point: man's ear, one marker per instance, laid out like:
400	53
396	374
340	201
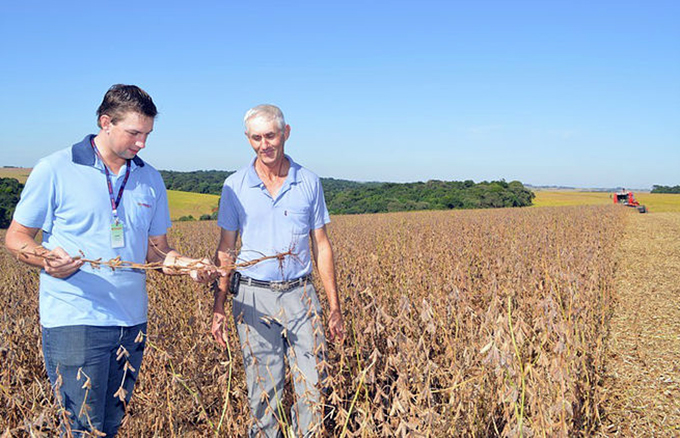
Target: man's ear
105	122
287	132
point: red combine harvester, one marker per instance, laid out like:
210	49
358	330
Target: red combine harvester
627	199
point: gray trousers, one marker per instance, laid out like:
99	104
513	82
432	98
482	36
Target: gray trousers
272	326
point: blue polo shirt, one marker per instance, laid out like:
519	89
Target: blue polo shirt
270	226
66	196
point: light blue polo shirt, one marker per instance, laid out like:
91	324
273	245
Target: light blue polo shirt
270	226
66	195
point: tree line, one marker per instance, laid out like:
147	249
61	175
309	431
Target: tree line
665	189
198	181
430	195
343	196
352	197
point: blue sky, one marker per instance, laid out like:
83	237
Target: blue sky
577	93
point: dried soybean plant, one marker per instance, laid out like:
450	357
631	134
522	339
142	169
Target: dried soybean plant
463	323
116	262
482	323
47	420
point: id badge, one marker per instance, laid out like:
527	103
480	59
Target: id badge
117	238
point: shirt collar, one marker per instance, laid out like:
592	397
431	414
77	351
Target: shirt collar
82	153
254	180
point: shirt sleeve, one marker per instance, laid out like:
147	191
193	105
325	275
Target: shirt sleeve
36	207
160	222
320	216
228	217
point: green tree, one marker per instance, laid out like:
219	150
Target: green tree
10	191
665	189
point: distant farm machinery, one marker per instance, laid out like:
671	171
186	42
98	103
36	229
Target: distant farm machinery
626	198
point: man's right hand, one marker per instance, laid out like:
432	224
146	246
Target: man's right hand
219	328
224	260
59	264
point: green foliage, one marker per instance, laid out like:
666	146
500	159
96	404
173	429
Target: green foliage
10	191
199	181
351	197
186	218
431	195
665	189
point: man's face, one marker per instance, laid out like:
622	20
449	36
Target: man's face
128	136
267	139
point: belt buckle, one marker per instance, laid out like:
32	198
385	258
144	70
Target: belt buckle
279	286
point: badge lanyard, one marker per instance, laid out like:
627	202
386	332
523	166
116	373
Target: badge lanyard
117	237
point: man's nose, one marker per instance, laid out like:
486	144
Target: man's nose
141	143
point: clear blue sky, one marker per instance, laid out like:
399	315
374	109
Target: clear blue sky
548	92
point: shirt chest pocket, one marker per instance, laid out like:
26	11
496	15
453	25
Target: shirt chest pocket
140	211
298	220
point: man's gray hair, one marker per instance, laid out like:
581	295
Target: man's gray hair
268	112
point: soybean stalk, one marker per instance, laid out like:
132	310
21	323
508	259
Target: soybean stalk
521	369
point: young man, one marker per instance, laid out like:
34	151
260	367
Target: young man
100	198
276	205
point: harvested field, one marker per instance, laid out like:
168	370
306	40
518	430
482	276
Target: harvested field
562	198
471	323
655	202
643	362
19	173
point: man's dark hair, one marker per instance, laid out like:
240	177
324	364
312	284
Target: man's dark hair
122	99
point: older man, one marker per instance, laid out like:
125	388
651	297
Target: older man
276	205
100	198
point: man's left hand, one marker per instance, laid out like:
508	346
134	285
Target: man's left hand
336	326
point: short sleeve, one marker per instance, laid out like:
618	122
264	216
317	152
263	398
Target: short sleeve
228	217
160	222
36	207
320	216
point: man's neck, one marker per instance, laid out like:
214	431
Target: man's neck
111	160
274	175
274	171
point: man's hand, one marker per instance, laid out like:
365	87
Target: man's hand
21	240
224	260
60	264
219	325
205	271
336	326
201	271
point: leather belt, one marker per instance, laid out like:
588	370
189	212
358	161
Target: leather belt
278	286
